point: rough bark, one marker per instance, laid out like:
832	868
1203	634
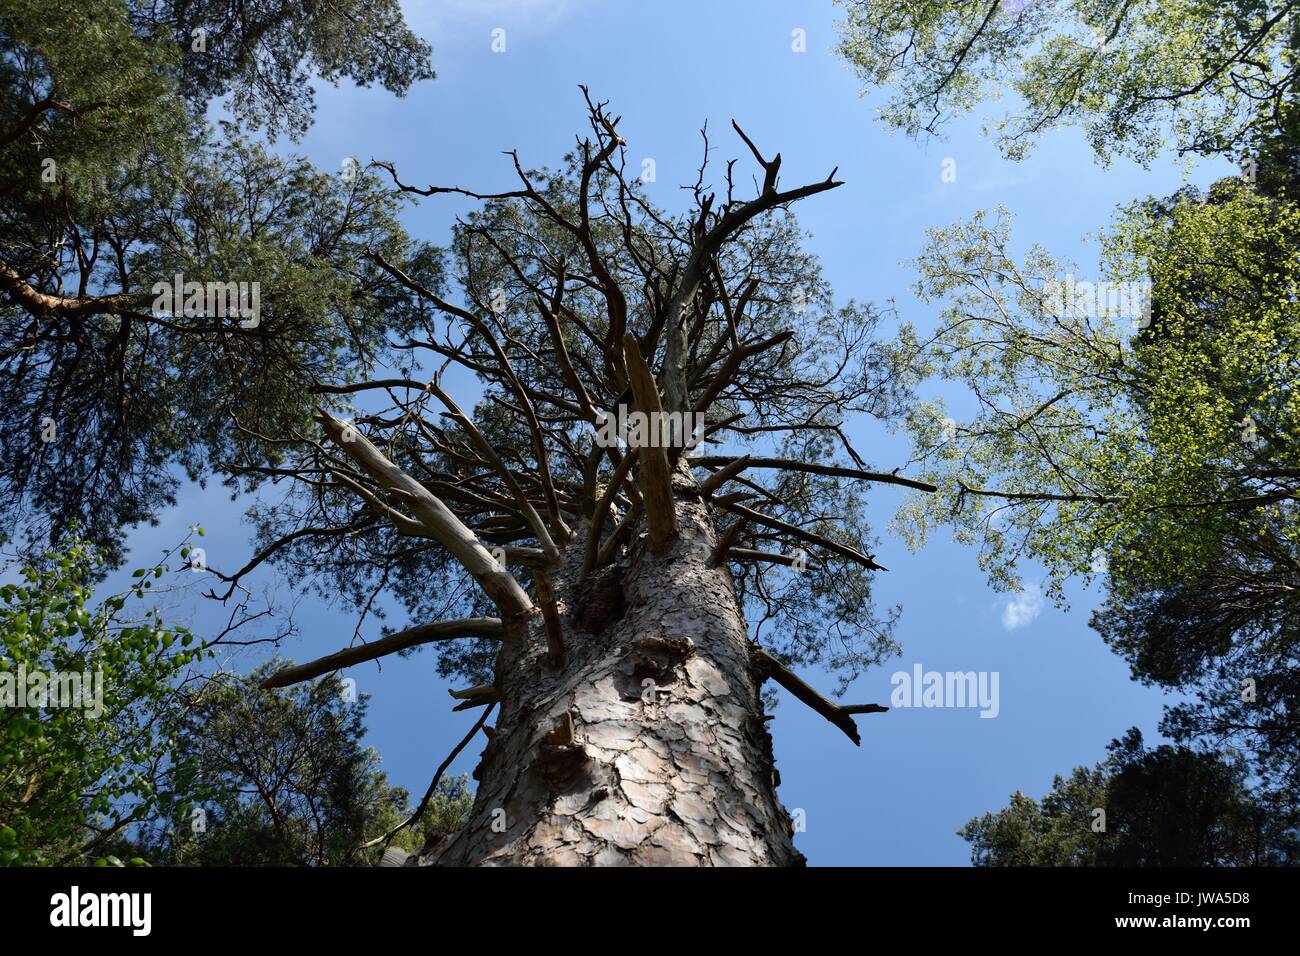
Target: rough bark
645	744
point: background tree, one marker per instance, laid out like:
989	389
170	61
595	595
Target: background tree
1161	454
127	772
1159	449
287	781
75	779
1169	806
112	182
264	56
1134	74
596	590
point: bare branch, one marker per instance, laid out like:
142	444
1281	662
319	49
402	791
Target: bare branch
434	516
602	510
729	538
488	627
550	617
771	557
433	785
480	696
724	474
803	534
489	453
841	716
707	243
791	464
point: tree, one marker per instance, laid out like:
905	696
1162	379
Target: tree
90	709
263	56
595	590
1169	806
286	781
113	746
260	55
115	190
1158	448
1159	455
1209	75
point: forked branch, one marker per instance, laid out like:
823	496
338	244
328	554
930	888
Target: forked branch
841	716
434	517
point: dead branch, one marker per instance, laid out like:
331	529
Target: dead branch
790	464
724	474
434	516
803	534
602	511
550	617
489	627
433	786
489	453
749	554
479	696
707	242
841	716
729	538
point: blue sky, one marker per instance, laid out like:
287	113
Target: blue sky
666	68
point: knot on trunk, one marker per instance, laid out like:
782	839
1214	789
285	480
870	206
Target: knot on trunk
601	600
675	649
562	758
655	657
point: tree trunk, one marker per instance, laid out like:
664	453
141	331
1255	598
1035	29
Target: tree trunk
645	744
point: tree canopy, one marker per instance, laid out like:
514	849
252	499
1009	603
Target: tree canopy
1137	75
1142	427
1163	806
90	710
563	285
114	185
285	780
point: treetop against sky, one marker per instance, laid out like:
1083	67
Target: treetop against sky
632	400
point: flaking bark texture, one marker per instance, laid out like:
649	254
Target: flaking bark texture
584	769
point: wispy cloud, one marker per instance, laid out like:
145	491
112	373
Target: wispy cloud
1022	607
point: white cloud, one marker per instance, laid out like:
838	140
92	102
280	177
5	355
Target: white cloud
1022	607
518	12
